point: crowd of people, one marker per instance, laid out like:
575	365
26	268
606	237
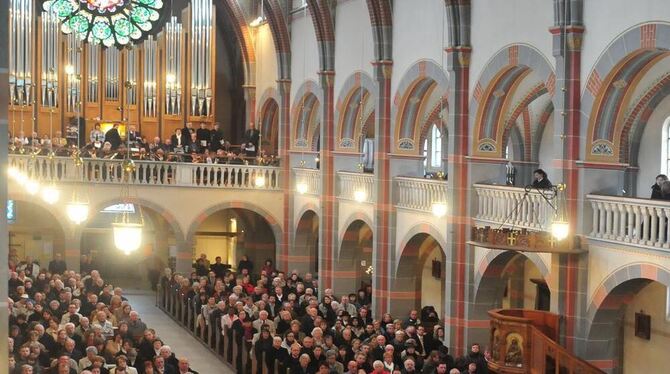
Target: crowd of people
64	322
187	144
286	320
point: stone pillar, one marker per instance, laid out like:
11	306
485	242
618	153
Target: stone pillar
4	234
384	226
328	217
567	45
184	260
72	255
458	258
284	92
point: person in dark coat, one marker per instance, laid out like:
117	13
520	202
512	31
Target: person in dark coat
245	263
113	137
540	180
477	357
58	266
216	140
656	187
252	135
186	132
203	134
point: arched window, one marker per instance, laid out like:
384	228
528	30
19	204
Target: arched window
665	148
432	150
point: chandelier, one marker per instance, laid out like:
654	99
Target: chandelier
110	22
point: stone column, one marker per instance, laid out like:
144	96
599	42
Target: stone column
566	268
284	92
384	225
4	235
458	258
328	217
72	255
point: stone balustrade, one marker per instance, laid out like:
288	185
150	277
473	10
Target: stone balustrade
148	173
513	207
358	187
307	181
640	222
420	194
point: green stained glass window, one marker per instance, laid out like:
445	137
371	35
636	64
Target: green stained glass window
108	22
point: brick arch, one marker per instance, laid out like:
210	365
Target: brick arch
280	36
162	211
423	81
494	257
348	112
407	280
426	228
242	33
304	253
269	118
512	79
381	20
353	248
358	216
611	82
306	116
323	18
607	307
269	218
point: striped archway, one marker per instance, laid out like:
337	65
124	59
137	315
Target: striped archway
269	121
352	266
304	254
422	89
606	309
353	110
512	92
624	87
306	117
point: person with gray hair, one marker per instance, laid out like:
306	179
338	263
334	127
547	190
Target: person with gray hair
87	360
333	364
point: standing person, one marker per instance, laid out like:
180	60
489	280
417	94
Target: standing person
113	137
245	263
251	136
656	187
186	133
97	136
540	179
203	135
476	357
216	140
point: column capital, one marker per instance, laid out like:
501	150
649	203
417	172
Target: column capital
383	68
327	77
458	56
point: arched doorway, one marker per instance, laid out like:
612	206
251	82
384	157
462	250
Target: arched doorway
511	280
420	276
305	251
232	233
157	251
629	327
269	127
354	266
34	232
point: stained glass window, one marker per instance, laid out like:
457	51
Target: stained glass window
109	22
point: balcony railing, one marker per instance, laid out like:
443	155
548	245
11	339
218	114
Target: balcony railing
307	181
513	207
358	187
640	222
148	173
420	193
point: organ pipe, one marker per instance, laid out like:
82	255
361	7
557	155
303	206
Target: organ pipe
93	61
201	31
131	76
21	17
49	60
73	72
112	74
173	38
150	104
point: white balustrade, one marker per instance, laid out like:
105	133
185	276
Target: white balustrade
358	187
148	173
307	181
420	193
508	206
640	222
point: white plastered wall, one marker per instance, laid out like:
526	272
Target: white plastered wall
304	52
266	63
354	47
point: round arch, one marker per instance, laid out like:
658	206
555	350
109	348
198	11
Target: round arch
419	276
354	259
306	116
621	91
269	123
517	78
608	314
304	254
423	87
346	223
355	105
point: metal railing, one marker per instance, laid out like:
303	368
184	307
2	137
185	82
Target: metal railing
233	348
149	173
420	193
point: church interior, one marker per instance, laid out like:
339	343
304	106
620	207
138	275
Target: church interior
334	186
